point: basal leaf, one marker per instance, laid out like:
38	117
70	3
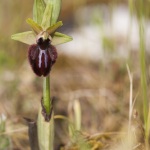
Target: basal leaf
45	132
38	10
60	38
53	28
36	28
27	37
56	10
47	16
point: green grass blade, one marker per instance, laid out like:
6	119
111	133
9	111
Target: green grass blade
142	62
141	20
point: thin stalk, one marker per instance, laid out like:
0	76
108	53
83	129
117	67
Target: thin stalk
131	6
143	69
47	103
46	122
130	100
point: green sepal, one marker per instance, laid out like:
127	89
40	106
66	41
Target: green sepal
47	16
35	26
55	11
38	10
60	38
53	28
27	37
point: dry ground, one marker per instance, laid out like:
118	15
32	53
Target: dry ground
102	90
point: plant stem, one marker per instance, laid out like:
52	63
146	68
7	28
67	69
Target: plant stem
143	71
46	119
143	68
47	103
45	132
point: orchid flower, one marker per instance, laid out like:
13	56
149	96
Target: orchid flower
42	53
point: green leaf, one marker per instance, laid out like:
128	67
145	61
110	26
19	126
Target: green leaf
38	10
45	132
27	37
36	28
47	16
53	28
60	38
55	11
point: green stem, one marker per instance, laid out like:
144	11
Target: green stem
143	73
46	119
47	103
143	68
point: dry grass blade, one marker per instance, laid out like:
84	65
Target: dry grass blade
131	99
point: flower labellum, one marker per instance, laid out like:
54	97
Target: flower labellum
42	55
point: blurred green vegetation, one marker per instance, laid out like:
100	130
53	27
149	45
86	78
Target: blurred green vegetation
4	139
6	60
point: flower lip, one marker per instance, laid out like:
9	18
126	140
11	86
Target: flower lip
41	60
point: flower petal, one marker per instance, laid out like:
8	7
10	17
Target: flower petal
27	37
38	10
36	28
53	28
60	38
55	11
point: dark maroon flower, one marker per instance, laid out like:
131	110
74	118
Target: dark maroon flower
42	56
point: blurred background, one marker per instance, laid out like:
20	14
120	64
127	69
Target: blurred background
90	69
